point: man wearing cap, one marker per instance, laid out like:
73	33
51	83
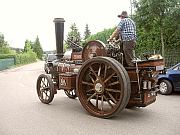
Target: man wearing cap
126	29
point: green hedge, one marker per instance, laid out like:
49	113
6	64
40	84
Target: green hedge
25	58
22	58
4	56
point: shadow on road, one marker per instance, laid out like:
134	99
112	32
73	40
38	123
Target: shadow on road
176	93
67	107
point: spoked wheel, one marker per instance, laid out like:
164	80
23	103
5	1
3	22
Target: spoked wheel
103	86
45	88
70	93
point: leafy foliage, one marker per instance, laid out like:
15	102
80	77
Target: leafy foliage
157	24
4	46
28	56
3	43
73	36
28	46
87	32
25	58
37	48
102	36
4	56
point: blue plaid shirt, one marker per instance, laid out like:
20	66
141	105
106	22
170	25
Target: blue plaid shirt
128	29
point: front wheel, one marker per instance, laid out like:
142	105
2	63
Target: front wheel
165	87
103	87
45	88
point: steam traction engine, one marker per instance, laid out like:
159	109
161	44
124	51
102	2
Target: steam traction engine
96	76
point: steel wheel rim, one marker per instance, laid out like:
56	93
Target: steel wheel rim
163	87
103	98
45	89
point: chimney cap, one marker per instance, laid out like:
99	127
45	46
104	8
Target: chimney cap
56	20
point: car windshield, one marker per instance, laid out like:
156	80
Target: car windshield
176	67
51	57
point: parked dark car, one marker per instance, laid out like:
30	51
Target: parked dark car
170	80
49	62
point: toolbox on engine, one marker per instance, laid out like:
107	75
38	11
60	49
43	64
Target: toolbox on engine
67	81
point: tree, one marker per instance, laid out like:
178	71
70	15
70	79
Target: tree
73	36
102	36
87	32
37	48
3	43
4	46
2	40
152	17
28	46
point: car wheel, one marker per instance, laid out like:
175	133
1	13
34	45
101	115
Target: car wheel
165	87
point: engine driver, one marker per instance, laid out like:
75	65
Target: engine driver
127	30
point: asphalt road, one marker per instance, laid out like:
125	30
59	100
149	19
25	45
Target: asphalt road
21	112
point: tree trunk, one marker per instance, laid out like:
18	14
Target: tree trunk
162	41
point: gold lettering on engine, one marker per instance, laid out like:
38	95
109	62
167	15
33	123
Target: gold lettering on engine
63	82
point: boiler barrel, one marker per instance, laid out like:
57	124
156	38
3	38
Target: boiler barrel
59	32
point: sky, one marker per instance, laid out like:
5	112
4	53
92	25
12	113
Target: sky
27	19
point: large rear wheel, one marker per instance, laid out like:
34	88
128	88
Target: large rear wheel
103	87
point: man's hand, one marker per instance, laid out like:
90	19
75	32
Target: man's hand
109	40
114	34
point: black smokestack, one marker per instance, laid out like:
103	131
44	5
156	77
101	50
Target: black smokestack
59	30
